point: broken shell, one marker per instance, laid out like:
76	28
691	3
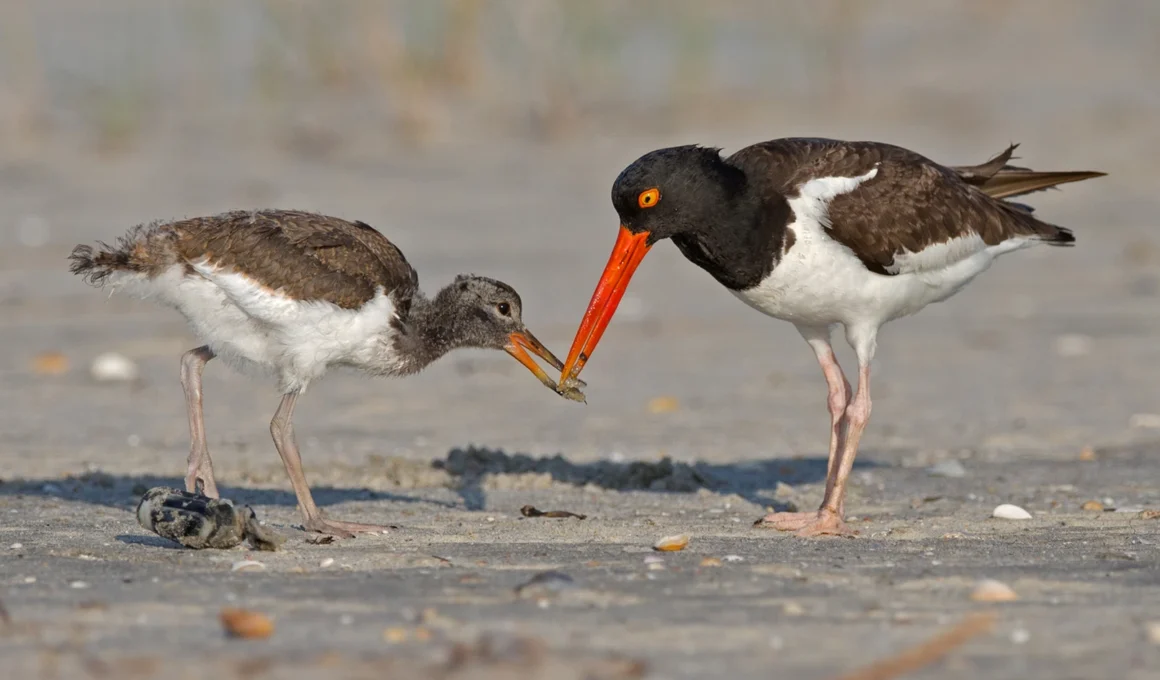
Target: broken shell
672	543
1008	511
247	565
1148	514
990	590
246	624
1092	506
710	562
326	562
114	367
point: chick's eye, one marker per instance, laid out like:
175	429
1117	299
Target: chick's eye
504	308
648	198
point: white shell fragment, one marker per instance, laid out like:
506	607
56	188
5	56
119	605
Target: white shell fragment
248	565
1008	511
990	590
672	543
114	367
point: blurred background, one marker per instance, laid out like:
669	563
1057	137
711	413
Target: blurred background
484	136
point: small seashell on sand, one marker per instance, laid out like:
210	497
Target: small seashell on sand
1008	511
990	590
1092	506
672	543
247	565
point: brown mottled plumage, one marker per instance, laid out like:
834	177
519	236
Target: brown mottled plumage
296	293
305	255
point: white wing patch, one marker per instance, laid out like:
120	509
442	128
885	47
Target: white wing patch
937	255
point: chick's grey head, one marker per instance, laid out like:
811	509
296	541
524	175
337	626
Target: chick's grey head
480	312
486	312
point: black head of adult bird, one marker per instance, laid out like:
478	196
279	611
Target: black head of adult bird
821	232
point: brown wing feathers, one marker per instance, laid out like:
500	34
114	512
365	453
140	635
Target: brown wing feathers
303	255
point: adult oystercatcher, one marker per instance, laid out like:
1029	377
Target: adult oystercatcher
821	232
295	293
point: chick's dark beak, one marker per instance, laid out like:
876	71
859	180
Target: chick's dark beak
523	340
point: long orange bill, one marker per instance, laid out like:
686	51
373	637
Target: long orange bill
519	341
626	256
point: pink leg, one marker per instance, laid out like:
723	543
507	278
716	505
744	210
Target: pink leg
200	468
830	517
839	397
282	429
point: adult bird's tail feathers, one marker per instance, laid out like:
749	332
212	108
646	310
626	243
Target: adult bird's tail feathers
998	179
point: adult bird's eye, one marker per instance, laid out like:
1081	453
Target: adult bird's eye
504	308
648	198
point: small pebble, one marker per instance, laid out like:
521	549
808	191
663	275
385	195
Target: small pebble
710	562
395	635
733	558
78	585
1020	636
1148	421
544	584
951	469
326	562
1073	345
1153	630
1092	506
656	566
114	367
247	565
1008	511
792	609
672	543
1087	453
50	363
990	590
30	579
663	405
16	546
245	624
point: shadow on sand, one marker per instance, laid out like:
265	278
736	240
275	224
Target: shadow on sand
467	471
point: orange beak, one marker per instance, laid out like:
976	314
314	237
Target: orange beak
629	250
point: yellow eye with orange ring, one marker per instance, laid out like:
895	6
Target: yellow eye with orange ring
648	198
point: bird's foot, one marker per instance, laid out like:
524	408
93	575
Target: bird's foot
333	527
808	524
203	476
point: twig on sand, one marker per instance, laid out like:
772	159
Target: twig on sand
926	653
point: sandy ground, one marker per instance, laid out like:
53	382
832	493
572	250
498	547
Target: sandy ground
1050	353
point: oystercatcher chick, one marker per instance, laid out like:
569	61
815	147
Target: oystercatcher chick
821	232
293	294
